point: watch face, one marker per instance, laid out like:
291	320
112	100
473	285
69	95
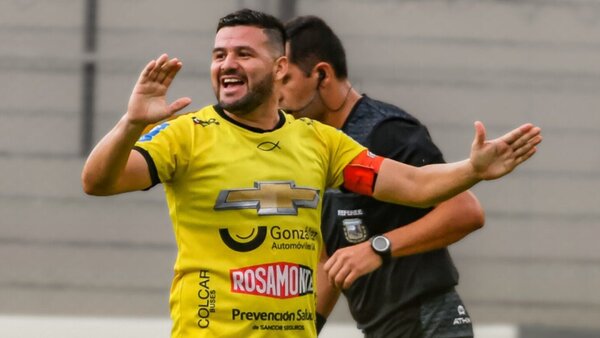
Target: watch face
381	243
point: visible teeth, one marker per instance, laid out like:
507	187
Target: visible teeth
231	81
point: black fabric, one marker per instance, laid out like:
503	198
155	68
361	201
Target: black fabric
439	315
444	316
378	299
151	166
321	320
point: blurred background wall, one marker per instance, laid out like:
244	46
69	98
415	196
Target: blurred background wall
67	68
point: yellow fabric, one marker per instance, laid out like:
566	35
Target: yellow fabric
246	209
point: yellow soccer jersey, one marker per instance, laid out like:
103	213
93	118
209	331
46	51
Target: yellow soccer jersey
246	208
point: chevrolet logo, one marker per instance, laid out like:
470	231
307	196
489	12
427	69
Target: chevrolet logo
269	198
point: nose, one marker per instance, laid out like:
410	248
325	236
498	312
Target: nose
228	63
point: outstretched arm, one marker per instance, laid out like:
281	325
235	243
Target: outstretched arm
445	224
112	167
429	185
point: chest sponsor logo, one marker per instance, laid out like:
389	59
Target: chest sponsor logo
276	280
205	123
244	243
269	198
277	321
283	238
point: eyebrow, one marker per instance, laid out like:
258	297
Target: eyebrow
237	48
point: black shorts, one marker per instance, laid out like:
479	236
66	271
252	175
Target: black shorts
442	315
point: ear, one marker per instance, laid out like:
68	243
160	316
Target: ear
280	68
321	74
324	72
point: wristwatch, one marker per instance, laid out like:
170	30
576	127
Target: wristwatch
382	246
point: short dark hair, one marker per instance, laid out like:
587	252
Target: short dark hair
272	27
312	41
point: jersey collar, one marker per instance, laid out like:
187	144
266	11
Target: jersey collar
221	113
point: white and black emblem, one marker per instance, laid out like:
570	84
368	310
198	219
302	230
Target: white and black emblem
354	230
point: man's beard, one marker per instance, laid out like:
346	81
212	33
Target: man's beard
254	98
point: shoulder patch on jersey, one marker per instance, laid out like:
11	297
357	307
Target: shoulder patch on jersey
153	132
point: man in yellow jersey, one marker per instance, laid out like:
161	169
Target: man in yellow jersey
244	183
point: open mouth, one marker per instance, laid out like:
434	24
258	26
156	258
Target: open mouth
231	82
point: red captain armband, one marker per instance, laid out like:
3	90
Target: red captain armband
361	173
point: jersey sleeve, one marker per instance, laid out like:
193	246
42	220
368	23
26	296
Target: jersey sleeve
165	148
405	141
343	149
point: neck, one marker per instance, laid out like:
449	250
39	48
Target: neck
345	96
265	116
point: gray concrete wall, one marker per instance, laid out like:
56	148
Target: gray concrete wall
448	62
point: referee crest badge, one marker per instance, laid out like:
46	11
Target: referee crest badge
354	230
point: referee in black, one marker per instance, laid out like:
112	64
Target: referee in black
390	261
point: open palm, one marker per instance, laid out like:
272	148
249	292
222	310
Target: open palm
495	158
148	102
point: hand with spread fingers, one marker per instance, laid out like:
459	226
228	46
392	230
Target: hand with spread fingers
148	103
495	158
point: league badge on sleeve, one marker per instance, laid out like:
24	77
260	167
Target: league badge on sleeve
149	135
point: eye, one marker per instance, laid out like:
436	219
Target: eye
245	53
217	56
